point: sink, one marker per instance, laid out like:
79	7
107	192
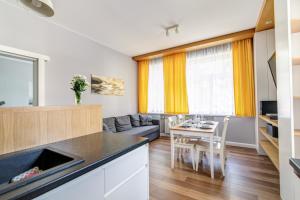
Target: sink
49	160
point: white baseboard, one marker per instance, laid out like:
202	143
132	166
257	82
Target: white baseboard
238	144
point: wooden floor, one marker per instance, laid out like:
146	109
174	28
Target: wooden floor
248	176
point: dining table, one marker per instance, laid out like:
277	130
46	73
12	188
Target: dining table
190	129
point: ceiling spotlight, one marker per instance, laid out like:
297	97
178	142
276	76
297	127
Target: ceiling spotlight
43	7
172	28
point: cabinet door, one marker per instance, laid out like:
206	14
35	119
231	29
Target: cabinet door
136	188
122	168
88	186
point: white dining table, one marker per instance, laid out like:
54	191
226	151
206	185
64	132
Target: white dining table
194	132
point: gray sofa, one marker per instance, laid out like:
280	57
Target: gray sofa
137	125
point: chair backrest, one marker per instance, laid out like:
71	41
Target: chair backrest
172	121
224	132
180	118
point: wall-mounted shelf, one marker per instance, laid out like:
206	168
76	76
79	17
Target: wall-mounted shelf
268	120
295	23
297	97
271	151
272	140
296	60
297	132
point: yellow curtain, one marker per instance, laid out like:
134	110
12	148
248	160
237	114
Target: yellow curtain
176	100
143	73
243	73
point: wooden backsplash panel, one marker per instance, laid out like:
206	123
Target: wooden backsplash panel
26	127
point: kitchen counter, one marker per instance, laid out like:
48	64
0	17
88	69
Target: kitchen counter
95	149
295	163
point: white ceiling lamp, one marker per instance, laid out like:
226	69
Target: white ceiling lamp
172	28
43	7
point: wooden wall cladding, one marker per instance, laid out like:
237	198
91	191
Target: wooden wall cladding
266	18
26	127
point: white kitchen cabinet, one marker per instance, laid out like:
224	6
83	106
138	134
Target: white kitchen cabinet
125	178
123	168
88	186
136	188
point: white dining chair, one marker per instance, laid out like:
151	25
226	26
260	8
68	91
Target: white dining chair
181	144
219	148
180	119
216	138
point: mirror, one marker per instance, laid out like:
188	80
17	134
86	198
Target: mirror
18	80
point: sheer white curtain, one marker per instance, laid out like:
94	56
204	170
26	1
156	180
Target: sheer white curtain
156	86
210	81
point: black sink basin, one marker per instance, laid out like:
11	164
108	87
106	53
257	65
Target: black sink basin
49	160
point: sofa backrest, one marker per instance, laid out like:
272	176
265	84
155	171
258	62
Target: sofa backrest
127	122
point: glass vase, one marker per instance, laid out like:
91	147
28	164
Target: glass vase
77	98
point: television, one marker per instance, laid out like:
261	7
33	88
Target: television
272	66
268	107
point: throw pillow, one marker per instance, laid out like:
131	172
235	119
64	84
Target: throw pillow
106	128
135	120
110	122
123	123
146	120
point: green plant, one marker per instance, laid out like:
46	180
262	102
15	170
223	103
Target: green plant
79	85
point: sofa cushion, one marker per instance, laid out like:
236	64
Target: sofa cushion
141	131
146	120
110	122
123	123
135	120
106	128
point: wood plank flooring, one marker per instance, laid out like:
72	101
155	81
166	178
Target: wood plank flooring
248	176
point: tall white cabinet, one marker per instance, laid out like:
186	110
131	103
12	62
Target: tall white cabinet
295	52
287	52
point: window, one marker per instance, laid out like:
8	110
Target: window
210	81
22	77
156	86
18	81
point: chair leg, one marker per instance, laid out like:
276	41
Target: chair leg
201	155
181	154
197	154
193	158
222	160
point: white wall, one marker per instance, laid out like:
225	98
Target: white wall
70	54
240	131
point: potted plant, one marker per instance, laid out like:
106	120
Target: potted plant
79	84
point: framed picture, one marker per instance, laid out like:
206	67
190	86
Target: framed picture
107	85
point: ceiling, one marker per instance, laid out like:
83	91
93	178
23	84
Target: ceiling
135	27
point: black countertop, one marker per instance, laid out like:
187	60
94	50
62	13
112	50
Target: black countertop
295	163
95	149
